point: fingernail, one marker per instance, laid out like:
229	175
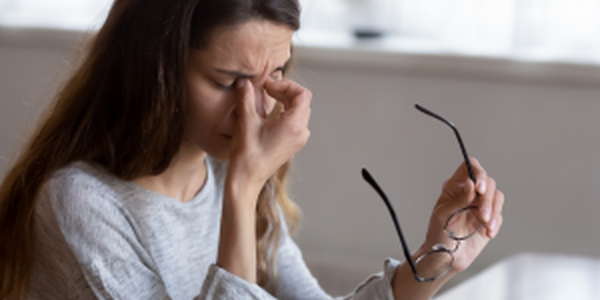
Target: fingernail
487	214
494	229
481	187
493	226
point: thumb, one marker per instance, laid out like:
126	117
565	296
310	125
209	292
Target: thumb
246	102
456	195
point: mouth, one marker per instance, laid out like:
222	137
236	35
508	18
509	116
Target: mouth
227	136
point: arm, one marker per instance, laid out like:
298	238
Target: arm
259	147
459	191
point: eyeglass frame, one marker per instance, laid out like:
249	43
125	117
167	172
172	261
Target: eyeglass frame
439	247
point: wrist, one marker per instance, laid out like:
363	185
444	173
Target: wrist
242	189
407	286
237	243
245	175
435	262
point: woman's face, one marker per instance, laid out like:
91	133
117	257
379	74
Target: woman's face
255	50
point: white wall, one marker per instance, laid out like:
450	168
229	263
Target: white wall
538	135
33	63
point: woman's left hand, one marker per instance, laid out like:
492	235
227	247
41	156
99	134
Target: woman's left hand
458	192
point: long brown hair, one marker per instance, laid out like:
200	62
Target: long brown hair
124	109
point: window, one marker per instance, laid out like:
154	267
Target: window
529	29
526	29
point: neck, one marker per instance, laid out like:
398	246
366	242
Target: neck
185	176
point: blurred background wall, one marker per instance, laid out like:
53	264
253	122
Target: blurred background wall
534	127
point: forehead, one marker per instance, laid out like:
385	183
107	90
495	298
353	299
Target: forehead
251	45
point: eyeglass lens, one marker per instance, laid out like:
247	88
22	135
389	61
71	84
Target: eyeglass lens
463	224
434	264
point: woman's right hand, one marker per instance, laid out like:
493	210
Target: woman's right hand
262	144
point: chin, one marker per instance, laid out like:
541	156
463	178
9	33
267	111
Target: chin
220	155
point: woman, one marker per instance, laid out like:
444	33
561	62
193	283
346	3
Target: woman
160	170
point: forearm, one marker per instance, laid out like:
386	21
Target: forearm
237	243
406	287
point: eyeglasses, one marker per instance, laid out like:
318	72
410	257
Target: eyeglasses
460	225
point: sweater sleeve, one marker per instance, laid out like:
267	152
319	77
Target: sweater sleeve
295	282
222	285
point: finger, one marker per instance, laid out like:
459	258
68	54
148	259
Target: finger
496	219
295	100
480	175
456	195
289	93
246	96
485	201
462	173
486	189
499	223
461	183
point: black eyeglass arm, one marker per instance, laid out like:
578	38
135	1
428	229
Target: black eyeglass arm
368	178
460	142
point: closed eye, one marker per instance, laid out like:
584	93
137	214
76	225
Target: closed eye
226	87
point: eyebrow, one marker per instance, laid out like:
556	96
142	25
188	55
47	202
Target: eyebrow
238	74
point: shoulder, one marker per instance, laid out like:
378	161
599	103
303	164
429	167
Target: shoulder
81	187
83	177
89	205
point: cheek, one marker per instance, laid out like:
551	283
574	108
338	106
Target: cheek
208	108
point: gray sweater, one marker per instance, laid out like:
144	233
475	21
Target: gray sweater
98	237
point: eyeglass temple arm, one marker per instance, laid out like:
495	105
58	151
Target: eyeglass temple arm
368	178
460	142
